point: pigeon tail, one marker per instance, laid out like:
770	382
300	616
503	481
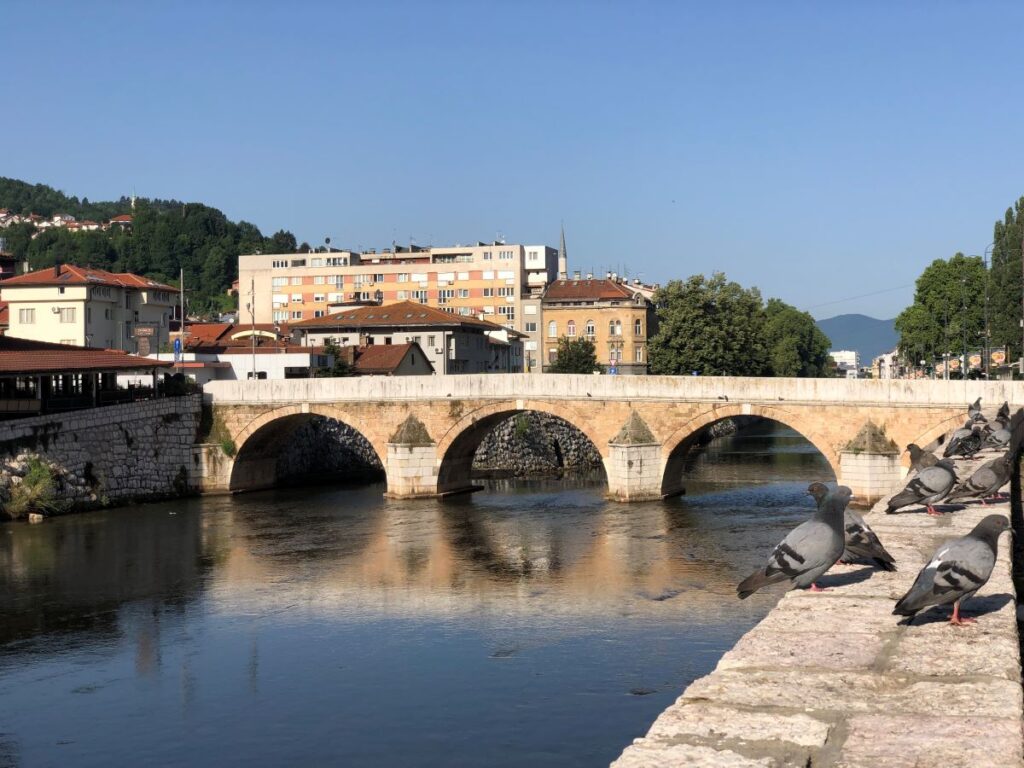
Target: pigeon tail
756	580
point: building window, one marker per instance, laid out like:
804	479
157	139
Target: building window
431	340
487	255
278	282
509	313
488	293
552	354
552	330
638	328
590	329
297	315
88	315
444	295
505	254
316	263
570	328
319	313
319	279
378	278
531	327
463	293
280	316
67	314
279	264
298	262
319	298
337	261
638	354
614	327
26	316
402	296
507	291
403	277
296	281
420	296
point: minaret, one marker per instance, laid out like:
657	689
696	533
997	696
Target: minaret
563	261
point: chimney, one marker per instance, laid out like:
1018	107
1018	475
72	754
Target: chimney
576	275
608	275
56	268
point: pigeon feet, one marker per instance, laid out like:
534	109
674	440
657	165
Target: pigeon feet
816	588
960	621
933	512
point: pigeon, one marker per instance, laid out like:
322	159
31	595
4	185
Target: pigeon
920	458
958	569
1004	411
931	485
986	479
998	438
974	413
808	551
861	543
965	445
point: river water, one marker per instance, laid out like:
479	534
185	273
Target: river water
533	623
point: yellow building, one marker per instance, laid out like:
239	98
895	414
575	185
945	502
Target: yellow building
609	313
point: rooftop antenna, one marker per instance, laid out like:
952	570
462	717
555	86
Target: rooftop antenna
327	244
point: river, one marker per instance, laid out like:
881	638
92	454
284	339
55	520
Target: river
533	623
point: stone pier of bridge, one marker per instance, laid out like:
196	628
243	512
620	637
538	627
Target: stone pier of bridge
425	430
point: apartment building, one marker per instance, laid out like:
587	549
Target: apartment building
616	316
451	343
499	282
86	307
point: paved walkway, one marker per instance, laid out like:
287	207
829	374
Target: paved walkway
832	679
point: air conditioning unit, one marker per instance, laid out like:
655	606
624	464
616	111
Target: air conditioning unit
438	351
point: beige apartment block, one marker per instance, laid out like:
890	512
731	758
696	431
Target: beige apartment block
85	307
499	282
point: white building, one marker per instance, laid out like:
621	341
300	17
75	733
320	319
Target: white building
89	308
847	362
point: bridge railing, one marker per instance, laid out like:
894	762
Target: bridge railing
723	389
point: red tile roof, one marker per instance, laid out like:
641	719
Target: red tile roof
402	313
587	290
27	356
205	333
124	217
383	359
75	275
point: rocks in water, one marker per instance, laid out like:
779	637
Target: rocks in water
534	443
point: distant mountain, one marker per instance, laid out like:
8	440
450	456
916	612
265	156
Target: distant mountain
870	337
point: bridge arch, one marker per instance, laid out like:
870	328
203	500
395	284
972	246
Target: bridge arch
259	442
677	445
457	447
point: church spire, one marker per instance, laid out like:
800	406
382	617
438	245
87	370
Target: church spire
563	260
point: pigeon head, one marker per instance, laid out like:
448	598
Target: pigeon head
914	450
843	494
818	491
989	528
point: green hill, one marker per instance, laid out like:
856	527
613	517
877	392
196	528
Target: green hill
166	236
867	335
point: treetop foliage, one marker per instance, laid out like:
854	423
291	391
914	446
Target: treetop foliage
166	236
715	327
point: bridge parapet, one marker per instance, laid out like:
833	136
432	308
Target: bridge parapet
457	411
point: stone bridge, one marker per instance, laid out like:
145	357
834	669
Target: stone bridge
425	430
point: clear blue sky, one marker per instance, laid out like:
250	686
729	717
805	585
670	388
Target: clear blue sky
816	150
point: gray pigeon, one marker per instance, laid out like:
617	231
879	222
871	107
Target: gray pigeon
986	479
974	413
999	437
808	551
964	445
931	485
958	569
861	543
920	458
1004	411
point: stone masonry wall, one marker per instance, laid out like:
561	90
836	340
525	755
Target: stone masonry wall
323	446
107	455
535	443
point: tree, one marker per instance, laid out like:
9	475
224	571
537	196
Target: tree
711	326
948	304
1005	280
796	346
339	367
575	356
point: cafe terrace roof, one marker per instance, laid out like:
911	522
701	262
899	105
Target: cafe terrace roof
25	356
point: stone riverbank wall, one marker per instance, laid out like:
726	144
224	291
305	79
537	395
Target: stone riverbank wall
534	443
109	455
834	679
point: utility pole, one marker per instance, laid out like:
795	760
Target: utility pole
181	316
252	316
